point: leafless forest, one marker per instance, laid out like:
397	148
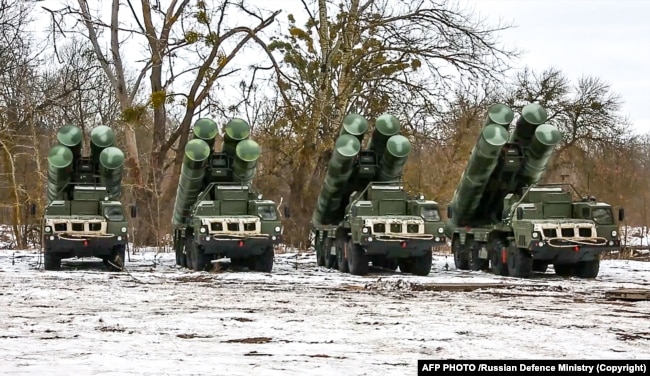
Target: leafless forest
148	69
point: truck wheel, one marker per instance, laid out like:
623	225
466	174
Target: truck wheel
118	259
342	261
474	262
264	262
540	266
179	254
563	270
587	269
51	261
200	260
320	257
497	265
330	260
460	258
405	265
421	265
520	263
357	259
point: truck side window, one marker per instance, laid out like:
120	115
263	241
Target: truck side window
430	214
267	213
114	213
603	216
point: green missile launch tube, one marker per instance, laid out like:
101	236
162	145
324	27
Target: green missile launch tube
339	169
386	126
190	183
70	135
111	165
482	162
499	114
244	165
532	115
354	125
206	130
101	137
537	156
59	171
235	130
395	155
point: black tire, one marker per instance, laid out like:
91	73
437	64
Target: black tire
405	265
341	260
51	261
563	270
497	266
200	261
330	260
115	262
320	253
460	258
421	265
183	260
264	262
474	262
357	259
520	262
587	269
540	266
179	255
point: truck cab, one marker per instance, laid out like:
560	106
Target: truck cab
90	224
231	221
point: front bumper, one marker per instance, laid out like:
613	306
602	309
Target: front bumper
569	253
68	246
398	248
237	247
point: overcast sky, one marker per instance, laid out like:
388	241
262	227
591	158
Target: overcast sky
609	39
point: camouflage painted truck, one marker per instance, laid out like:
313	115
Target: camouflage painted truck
501	219
364	214
217	212
83	216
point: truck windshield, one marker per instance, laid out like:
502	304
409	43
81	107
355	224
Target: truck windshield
603	216
430	213
114	213
267	212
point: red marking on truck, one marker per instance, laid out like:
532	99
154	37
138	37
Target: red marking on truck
85	242
241	243
503	255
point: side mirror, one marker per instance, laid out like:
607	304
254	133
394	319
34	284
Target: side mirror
134	211
32	209
287	212
520	212
621	214
449	212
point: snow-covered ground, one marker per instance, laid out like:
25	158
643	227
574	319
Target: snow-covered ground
302	319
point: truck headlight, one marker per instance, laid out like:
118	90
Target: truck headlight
364	230
535	235
440	230
202	230
123	229
277	229
614	233
48	229
51	237
119	238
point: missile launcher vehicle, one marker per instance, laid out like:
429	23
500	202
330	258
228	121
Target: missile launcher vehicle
364	214
502	219
83	216
217	212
